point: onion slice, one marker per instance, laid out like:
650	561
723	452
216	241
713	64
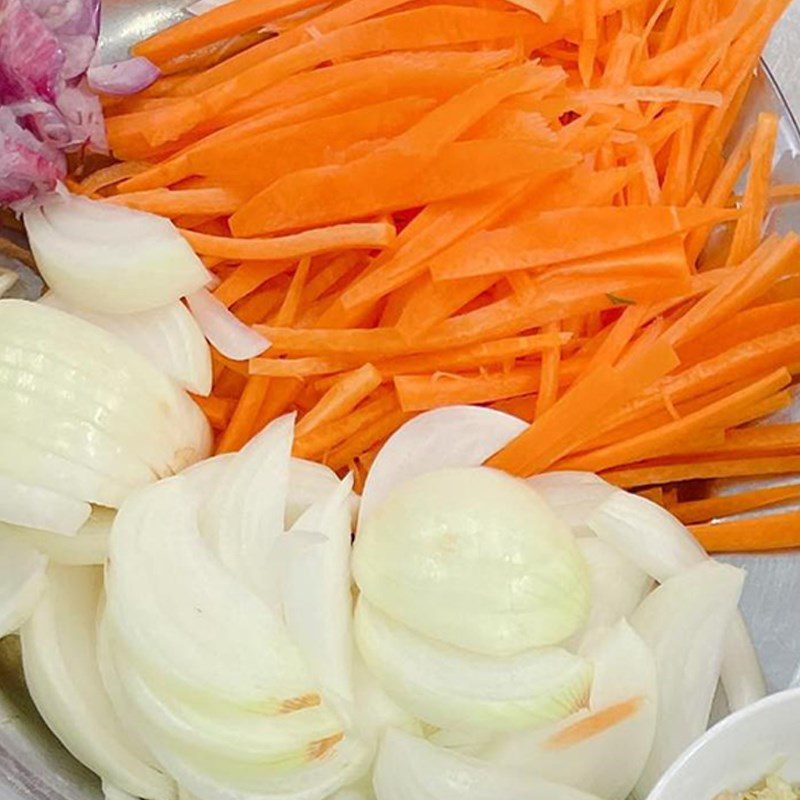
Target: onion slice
22	582
452	688
88	546
225	330
603	749
684	623
408	767
35	507
122	77
663	547
109	258
167	336
456	436
59	658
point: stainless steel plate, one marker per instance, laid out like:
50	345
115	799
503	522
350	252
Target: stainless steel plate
34	766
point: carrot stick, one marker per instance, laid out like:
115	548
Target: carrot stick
593	724
240	427
365	235
326	194
108	176
247	277
572	419
695	511
322	439
169	203
218	410
298	367
551	238
349	390
648	474
663	440
548	382
365	438
772	532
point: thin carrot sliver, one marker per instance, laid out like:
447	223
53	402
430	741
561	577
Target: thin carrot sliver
548	381
760	534
246	278
694	511
594	724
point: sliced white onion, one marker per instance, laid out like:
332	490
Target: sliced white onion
409	768
224	329
191	601
86	416
111	792
452	688
617	585
22	582
456	436
243	516
475	558
88	546
573	496
317	603
35	507
58	651
684	622
663	547
308	481
167	336
603	749
109	258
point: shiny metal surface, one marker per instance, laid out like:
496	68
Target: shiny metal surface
34	766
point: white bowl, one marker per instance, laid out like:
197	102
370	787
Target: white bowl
738	752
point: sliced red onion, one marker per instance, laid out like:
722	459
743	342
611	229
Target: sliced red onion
224	330
123	77
76	23
27	165
83	114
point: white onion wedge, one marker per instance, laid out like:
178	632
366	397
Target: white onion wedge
167	336
225	330
617	585
59	658
475	558
452	688
243	515
663	547
193	599
111	259
684	623
456	436
308	481
86	415
573	496
35	507
603	749
409	768
317	603
87	547
22	582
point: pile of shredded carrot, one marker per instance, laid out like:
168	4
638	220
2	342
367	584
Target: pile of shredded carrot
525	204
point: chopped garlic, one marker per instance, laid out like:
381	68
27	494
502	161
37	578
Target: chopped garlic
772	788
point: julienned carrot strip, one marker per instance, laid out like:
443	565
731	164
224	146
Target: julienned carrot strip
756	195
320	440
663	440
256	307
564	235
219	23
647	474
349	390
173	203
416	29
108	176
548	381
422	392
305	144
694	511
241	427
218	410
388	180
281	395
759	534
364	235
744	285
247	277
290	307
298	367
619	337
593	724
364	439
573	418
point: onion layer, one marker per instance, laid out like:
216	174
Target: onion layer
108	258
22	581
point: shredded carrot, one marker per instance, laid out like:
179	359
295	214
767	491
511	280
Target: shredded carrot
773	532
529	205
694	511
594	724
